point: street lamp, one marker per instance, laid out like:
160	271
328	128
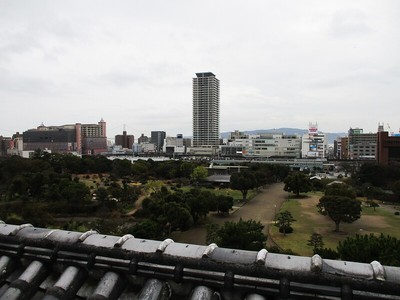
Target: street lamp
275	213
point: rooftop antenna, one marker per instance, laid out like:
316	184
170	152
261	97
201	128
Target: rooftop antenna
390	130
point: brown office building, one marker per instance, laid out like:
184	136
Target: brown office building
344	148
85	139
124	140
388	148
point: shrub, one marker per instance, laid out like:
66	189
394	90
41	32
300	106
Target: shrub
286	229
397	213
275	249
14	219
327	253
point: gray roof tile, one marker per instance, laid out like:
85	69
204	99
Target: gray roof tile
37	263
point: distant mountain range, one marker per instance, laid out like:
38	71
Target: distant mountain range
331	135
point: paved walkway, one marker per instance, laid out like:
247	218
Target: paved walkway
261	208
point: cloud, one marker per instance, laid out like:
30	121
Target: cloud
25	84
121	78
281	64
349	24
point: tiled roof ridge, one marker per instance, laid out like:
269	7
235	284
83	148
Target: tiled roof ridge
210	267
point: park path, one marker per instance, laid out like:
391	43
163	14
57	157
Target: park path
137	205
261	208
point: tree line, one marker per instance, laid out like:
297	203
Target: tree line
51	181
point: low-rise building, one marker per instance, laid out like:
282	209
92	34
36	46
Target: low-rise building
203	150
174	145
277	145
262	145
231	150
143	139
143	148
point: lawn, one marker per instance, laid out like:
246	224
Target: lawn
308	220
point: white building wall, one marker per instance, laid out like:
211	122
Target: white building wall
314	145
175	142
270	145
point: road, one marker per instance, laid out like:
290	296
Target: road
261	208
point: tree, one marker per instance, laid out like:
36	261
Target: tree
74	192
340	209
41	154
316	242
200	203
317	185
246	235
396	188
340	189
243	181
154	186
101	195
224	204
186	169
121	167
129	193
297	183
367	248
262	177
18	187
140	169
199	174
178	216
285	220
147	229
36	214
212	233
374	174
373	204
115	190
347	168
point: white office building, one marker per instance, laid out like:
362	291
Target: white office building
314	143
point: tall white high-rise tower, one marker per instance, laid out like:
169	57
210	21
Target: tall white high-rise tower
205	110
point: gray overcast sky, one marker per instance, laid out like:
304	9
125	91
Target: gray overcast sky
280	63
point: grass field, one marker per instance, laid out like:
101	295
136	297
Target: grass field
308	220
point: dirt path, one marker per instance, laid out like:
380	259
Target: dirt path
260	208
136	206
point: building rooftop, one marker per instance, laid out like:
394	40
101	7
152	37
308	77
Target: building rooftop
38	263
205	74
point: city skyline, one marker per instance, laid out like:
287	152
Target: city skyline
281	64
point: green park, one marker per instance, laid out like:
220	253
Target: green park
263	206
